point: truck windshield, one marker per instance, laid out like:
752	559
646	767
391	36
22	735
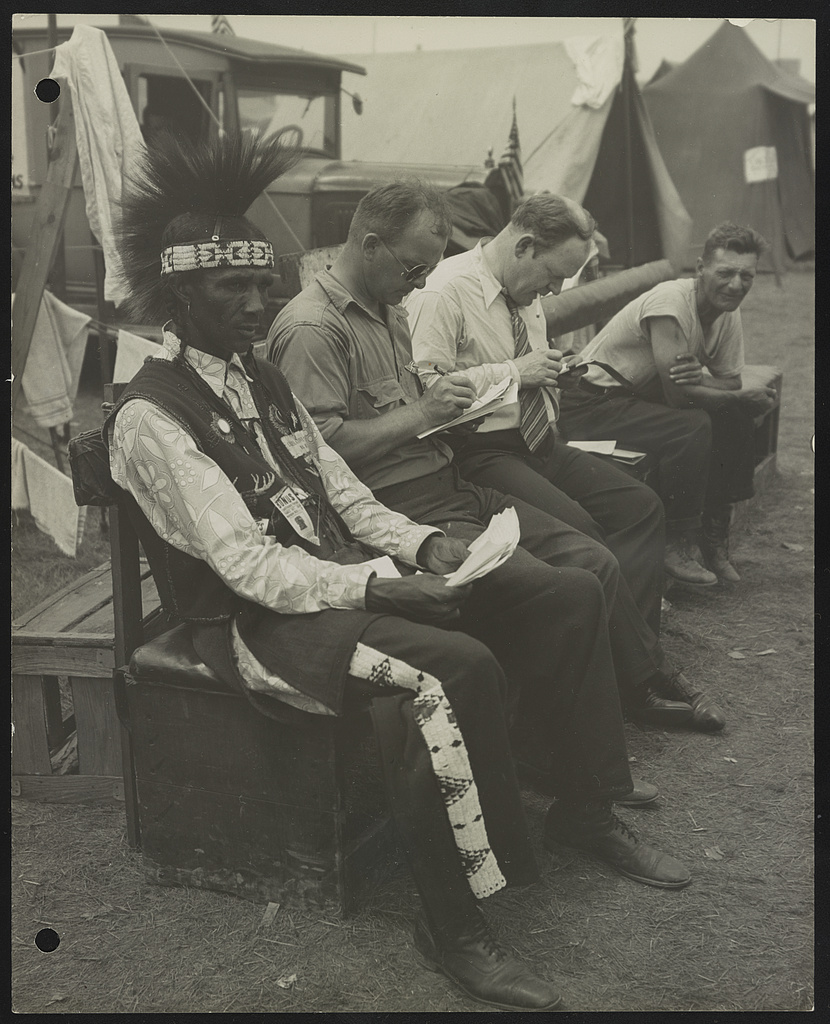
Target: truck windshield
307	120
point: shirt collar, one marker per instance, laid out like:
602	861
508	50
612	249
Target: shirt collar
490	287
341	298
212	369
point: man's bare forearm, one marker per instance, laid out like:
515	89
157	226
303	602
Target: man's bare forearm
360	441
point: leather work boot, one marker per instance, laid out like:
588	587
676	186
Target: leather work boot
643	793
706	715
595	829
681	565
715	544
484	971
656	710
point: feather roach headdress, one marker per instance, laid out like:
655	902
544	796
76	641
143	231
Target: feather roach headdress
183	208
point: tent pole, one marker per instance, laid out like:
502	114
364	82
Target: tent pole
626	100
58	278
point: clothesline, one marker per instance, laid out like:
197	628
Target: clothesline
33	53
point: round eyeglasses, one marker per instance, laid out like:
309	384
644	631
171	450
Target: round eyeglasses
410	274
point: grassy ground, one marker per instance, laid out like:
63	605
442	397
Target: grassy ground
738	807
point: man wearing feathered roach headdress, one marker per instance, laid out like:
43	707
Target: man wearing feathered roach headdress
262	539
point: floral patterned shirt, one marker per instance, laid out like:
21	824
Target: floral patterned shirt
192	504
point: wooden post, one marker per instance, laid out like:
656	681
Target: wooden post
127	613
47	230
57	281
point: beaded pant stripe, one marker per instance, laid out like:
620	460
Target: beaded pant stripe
450	762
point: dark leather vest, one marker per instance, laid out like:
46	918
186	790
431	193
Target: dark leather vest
188	587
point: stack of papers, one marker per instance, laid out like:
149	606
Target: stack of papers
608	448
496	395
490	549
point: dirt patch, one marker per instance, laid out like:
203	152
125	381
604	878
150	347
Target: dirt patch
738	807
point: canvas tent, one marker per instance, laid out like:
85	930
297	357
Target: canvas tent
734	131
582	126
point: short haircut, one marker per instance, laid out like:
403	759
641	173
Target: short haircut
737	239
552	219
388	210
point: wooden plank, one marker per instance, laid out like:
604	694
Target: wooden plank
103	619
30	745
69	789
98	727
26	638
55	732
219	743
96	662
49	219
33	615
82	597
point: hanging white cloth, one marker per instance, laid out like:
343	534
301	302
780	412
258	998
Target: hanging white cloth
132	351
598	61
50	498
108	135
53	365
20	494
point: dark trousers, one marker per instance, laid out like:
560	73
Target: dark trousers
546	622
706	460
600	501
579	716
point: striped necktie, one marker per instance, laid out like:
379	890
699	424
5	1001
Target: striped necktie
533	414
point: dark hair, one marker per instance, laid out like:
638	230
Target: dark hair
388	210
738	239
552	219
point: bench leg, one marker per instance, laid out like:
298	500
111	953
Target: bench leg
30	748
99	731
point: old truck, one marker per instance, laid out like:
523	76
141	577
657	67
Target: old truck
194	82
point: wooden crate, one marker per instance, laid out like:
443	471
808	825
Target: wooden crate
231	800
71	635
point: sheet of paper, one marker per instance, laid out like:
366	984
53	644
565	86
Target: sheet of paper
627	456
490	549
384	567
496	395
597	447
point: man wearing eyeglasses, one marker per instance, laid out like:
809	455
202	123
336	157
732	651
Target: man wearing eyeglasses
480	313
344	345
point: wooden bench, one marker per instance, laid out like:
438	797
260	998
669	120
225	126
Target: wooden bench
70	635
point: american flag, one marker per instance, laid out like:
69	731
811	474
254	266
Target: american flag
220	24
510	164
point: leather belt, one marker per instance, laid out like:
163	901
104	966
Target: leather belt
595	389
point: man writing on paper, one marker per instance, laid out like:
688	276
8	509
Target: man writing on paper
698	423
344	347
480	313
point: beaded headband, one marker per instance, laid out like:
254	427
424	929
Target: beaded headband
209	255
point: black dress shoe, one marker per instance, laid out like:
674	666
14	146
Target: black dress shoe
706	715
484	971
657	710
611	840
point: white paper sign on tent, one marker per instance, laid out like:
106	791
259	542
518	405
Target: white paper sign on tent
760	164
